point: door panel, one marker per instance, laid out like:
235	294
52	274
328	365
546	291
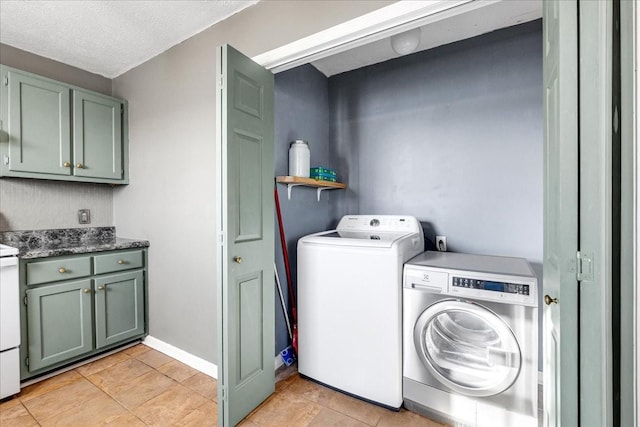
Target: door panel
97	136
560	331
38	125
248	189
245	146
59	322
119	306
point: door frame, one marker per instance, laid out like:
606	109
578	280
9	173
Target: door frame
402	16
630	271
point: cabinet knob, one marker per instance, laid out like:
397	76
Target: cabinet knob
62	270
86	290
548	300
79	166
238	259
101	288
121	261
66	164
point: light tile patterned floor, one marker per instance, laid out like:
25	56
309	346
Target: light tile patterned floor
140	386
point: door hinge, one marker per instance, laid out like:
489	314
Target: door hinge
224	393
5	80
220	81
25	300
221	238
584	270
26	361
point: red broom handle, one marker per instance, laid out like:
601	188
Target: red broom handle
285	254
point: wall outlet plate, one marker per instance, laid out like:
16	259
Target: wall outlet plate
84	216
441	243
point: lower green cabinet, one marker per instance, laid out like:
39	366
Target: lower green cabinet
59	322
64	321
119	302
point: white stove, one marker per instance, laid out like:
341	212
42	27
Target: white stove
9	322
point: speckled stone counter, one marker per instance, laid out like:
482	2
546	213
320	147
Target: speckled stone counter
67	241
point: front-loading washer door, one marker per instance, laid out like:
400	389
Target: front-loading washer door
467	347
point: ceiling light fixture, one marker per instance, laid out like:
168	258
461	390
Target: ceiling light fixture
406	42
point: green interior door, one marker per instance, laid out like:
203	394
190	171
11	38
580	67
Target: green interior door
245	150
560	330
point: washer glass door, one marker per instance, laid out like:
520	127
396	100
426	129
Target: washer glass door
467	347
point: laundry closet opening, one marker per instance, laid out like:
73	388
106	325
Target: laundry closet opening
452	135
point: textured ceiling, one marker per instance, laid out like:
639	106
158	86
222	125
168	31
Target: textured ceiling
107	37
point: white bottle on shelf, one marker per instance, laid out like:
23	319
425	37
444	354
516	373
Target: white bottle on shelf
299	158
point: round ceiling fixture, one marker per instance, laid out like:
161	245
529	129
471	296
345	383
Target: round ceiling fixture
406	42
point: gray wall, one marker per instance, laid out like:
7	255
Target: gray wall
453	136
31	204
172	196
302	112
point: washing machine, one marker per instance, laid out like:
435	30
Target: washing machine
471	339
350	305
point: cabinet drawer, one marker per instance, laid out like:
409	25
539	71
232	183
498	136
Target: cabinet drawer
58	269
108	263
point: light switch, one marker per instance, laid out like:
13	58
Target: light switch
84	216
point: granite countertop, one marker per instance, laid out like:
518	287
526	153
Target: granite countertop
67	241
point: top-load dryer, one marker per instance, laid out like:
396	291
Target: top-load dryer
350	305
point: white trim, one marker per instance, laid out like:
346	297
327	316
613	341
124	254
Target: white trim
195	362
182	356
395	18
278	362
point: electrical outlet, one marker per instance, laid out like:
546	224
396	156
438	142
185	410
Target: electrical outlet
441	243
84	216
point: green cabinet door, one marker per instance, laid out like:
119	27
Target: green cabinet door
119	307
59	322
97	136
36	113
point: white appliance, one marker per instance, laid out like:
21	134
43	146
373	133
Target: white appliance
9	322
471	339
350	305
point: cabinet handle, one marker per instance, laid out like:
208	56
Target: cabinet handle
79	166
121	261
238	259
66	164
86	290
101	288
62	270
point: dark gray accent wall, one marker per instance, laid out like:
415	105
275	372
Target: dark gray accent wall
301	112
453	136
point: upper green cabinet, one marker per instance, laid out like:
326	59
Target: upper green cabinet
52	130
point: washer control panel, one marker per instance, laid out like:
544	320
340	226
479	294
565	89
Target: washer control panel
489	285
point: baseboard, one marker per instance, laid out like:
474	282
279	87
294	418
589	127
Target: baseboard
182	356
189	359
278	361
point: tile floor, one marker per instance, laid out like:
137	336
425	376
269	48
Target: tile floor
140	386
